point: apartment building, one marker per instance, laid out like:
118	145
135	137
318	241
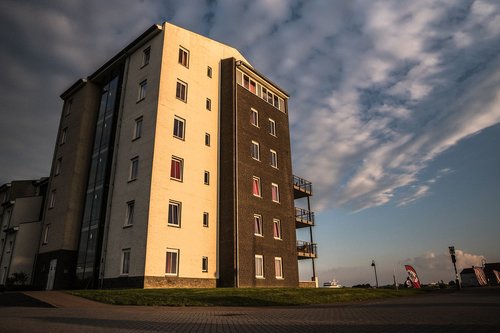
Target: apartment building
172	168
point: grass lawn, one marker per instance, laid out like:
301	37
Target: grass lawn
239	297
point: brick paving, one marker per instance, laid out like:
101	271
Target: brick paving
473	310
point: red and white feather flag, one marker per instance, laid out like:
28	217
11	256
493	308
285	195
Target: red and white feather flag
412	273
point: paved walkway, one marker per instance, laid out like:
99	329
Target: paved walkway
473	310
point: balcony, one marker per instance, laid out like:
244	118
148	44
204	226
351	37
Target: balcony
303	218
306	250
301	187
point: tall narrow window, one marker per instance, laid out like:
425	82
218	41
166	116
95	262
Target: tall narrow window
208	104
129	215
67	107
205	219
46	235
254	117
125	262
277	229
146	54
274	159
58	166
259	266
209	71
184	57
257	225
176	167
278	267
255	151
134	168
181	91
206	178
172	262
142	90
179	125
174	213
272	127
275	192
204	264
256	186
137	129
64	134
52	201
207	139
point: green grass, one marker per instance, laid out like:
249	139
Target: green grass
239	297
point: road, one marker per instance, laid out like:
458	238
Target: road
470	310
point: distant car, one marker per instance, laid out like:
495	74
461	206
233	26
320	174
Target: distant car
332	284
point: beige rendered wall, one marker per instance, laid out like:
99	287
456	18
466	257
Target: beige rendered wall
191	239
122	190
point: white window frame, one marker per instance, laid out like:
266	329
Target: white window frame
183	58
64	136
258	225
180	161
129	214
277	222
204	264
278	268
52	201
254	117
206	219
255	178
134	168
146	55
57	170
67	107
176	266
171	219
143	86
46	235
272	127
178	91
255	150
274	158
137	128
275	186
259	266
177	121
125	262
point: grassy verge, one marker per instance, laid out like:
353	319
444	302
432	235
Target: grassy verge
239	297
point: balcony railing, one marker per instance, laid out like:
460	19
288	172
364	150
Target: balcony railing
303	218
301	187
306	250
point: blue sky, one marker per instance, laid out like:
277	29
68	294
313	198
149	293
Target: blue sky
395	111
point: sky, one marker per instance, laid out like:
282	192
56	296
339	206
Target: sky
394	112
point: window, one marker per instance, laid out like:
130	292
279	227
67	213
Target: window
207	139
137	129
184	57
272	127
142	90
174	213
274	159
209	71
208	104
278	267
172	262
204	264
67	107
277	229
46	235
275	192
134	168
205	219
52	201
256	186
255	151
129	215
206	178
9	247
181	91
254	117
64	135
249	84
146	54
179	125
125	262
176	167
58	166
257	225
259	266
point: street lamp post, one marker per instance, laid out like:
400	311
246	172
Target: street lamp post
454	261
375	269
